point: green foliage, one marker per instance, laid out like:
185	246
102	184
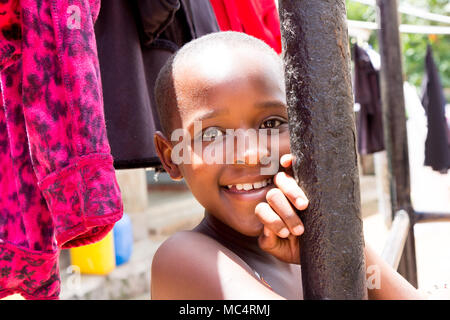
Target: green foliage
414	45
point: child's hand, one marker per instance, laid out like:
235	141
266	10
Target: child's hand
282	226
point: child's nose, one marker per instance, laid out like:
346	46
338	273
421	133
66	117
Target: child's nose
251	156
253	152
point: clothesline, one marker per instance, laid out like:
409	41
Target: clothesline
406	9
404	28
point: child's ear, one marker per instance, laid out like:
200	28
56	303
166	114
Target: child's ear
164	150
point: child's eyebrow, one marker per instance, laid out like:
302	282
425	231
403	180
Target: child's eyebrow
211	114
260	105
270	104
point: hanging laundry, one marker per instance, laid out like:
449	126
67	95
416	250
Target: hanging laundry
437	148
258	18
416	125
369	122
57	181
134	40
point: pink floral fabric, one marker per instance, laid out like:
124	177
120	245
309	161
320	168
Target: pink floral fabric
57	181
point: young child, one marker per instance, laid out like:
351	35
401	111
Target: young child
246	246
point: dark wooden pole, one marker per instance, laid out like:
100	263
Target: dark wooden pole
394	124
322	131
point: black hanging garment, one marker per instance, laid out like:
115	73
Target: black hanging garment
369	122
437	149
134	40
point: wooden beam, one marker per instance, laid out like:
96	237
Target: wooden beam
322	130
395	243
394	125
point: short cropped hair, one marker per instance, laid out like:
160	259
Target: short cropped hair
165	95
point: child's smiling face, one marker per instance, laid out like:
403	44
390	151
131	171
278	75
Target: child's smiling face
229	88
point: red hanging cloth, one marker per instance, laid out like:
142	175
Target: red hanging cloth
258	18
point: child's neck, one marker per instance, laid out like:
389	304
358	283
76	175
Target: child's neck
227	236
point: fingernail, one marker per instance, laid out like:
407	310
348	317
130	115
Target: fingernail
279	174
298	230
300	202
284	233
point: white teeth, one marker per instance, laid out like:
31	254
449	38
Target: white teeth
257	185
250	186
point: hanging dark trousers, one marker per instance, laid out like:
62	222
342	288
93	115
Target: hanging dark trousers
369	122
437	149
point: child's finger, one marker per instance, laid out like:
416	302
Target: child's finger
286	160
271	219
268	241
277	200
290	188
286	163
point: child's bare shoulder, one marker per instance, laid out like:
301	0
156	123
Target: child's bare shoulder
191	265
184	240
190	247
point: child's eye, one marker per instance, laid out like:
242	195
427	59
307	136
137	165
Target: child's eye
211	133
271	123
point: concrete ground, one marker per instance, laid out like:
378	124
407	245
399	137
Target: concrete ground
430	191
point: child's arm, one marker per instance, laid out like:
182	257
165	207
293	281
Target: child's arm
392	285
